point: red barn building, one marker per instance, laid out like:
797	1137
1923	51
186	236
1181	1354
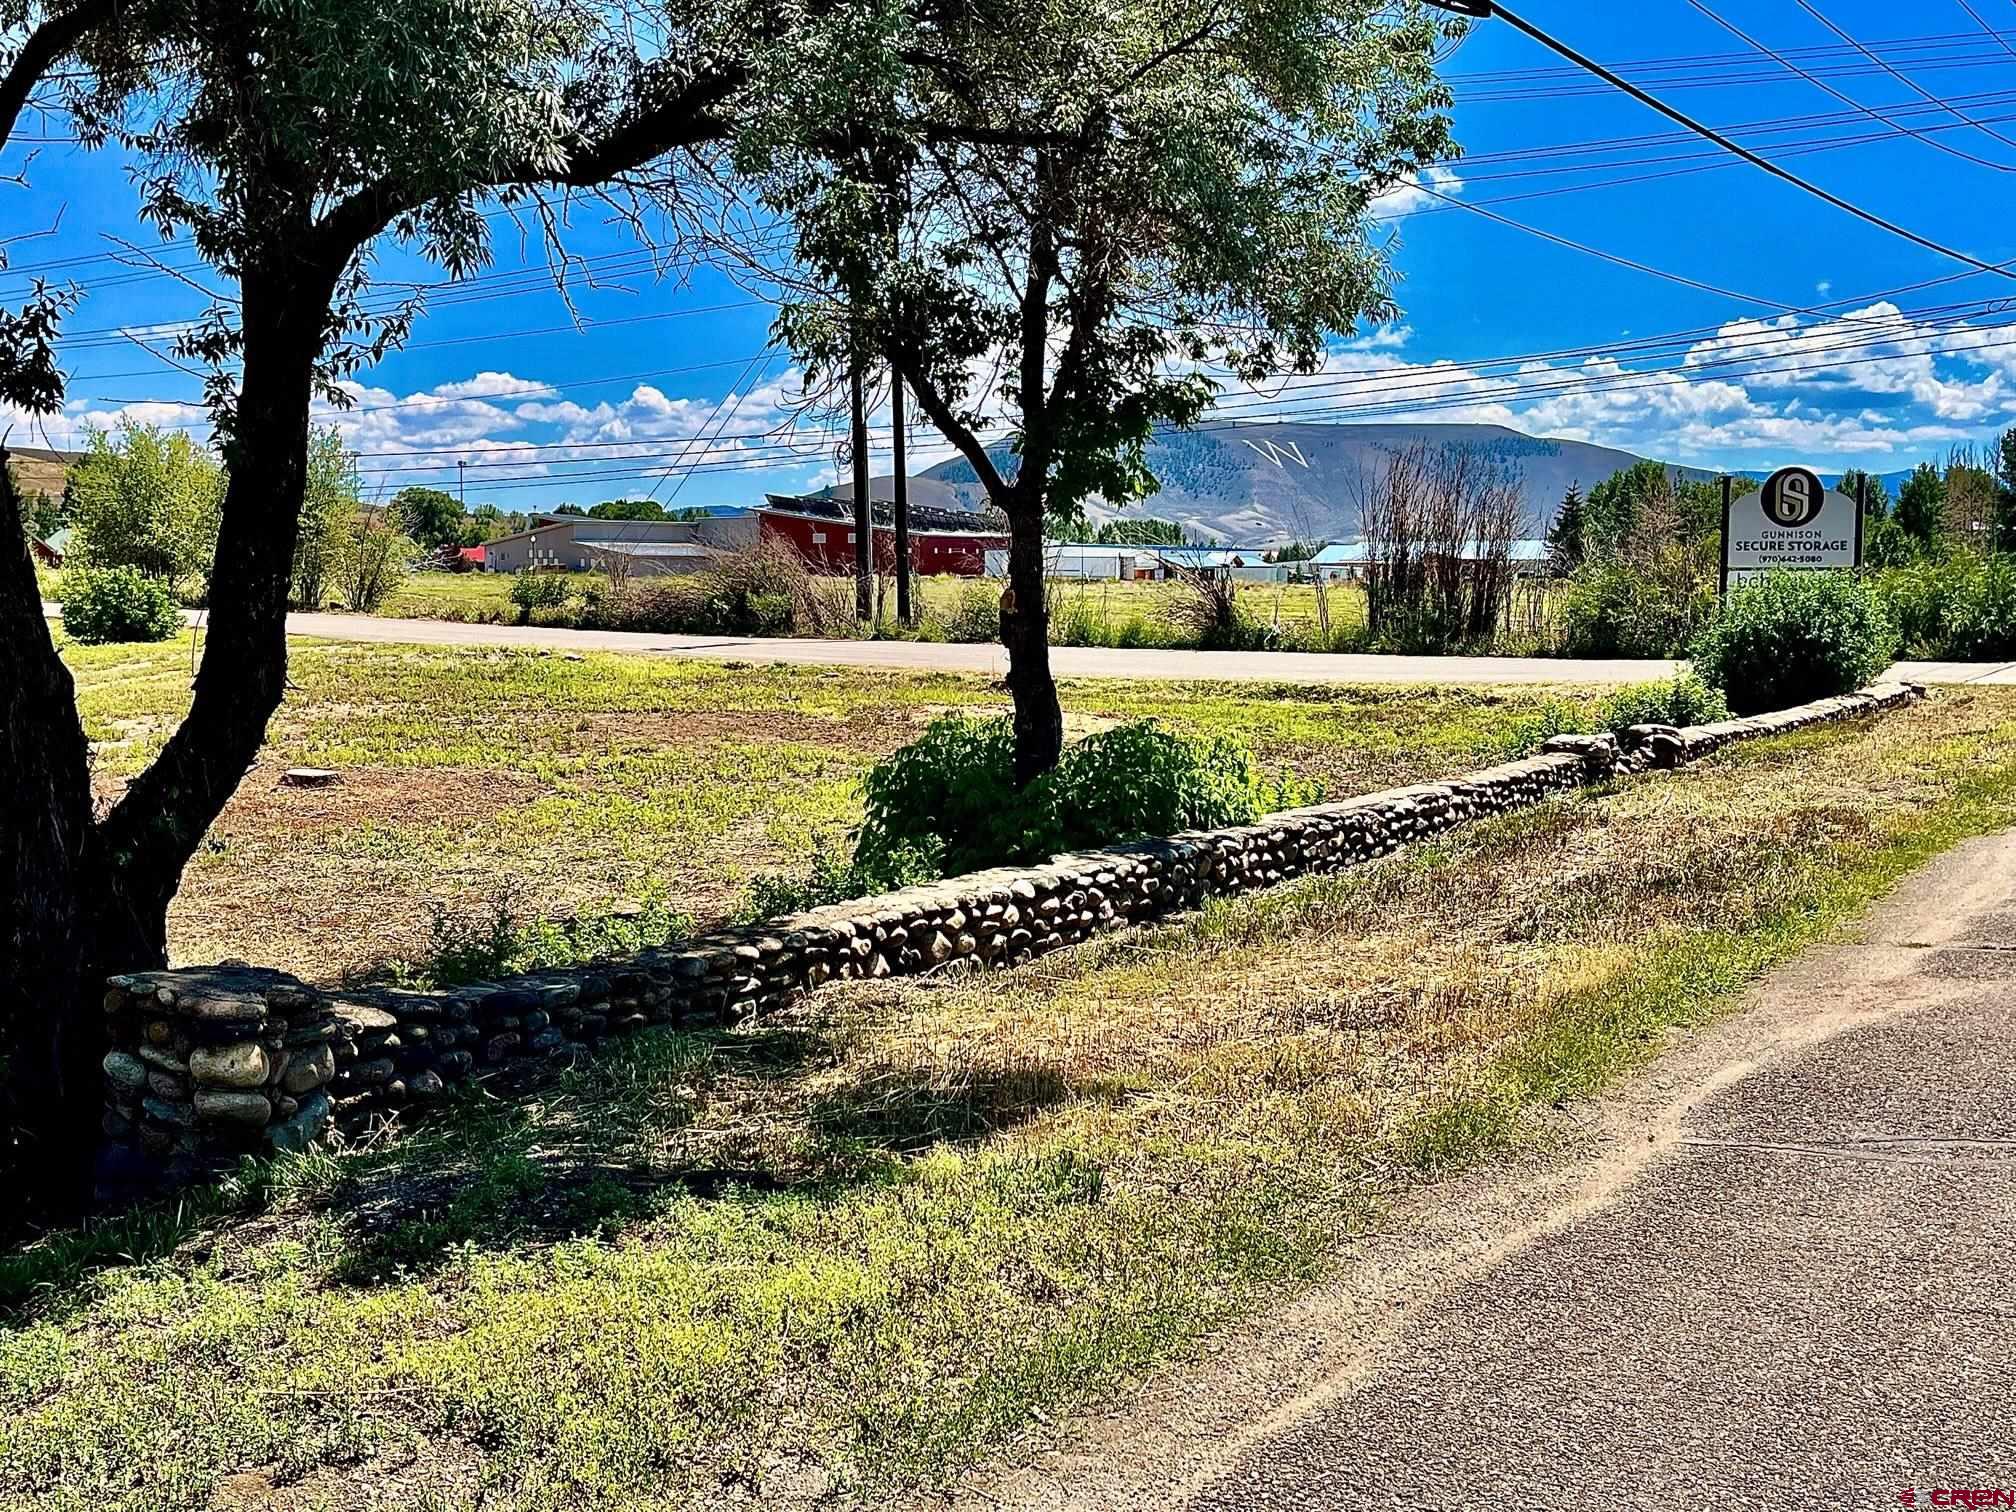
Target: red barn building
821	530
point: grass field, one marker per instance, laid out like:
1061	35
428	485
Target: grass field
848	1250
580	784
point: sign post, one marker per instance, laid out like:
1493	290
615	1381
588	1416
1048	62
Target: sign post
1793	524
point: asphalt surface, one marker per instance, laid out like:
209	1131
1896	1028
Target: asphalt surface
1066	661
1781	1272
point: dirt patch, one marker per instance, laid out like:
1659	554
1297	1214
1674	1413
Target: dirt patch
320	881
870	731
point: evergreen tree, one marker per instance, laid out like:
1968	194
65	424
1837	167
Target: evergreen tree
1564	537
1921	505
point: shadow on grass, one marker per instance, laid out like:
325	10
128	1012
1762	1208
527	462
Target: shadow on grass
733	1116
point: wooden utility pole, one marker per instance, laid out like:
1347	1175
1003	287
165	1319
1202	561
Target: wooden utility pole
864	508
899	503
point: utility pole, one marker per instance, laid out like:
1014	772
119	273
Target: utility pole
899	504
864	509
462	484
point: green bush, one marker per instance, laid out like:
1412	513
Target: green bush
975	618
497	940
1680	700
102	604
1624	609
1917	595
834	877
537	590
950	799
1795	636
1981	614
1958	605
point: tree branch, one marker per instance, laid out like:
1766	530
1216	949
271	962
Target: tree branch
950	426
48	42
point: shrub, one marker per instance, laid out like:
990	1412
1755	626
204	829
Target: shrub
1958	605
1629	609
1681	700
764	589
1140	779
975	618
1917	595
1208	615
1794	636
537	590
102	604
1980	620
949	796
834	877
497	940
950	800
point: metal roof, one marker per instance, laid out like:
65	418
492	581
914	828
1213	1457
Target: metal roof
651	548
1356	553
927	518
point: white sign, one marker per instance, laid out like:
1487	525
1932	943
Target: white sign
1792	523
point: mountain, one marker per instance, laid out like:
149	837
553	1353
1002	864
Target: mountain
1260	484
39	471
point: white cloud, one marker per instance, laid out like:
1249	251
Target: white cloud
1408	196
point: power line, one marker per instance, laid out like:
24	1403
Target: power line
1674	113
1850	100
1902	78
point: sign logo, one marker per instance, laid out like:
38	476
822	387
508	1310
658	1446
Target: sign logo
1793	496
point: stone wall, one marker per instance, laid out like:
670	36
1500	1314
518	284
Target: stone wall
212	1063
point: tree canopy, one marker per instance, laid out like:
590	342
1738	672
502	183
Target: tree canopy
1070	223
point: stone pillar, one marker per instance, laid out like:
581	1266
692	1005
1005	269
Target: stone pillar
207	1066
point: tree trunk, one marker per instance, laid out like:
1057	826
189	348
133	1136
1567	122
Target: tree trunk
1025	632
85	900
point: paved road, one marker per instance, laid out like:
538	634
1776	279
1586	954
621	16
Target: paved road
1066	661
1781	1276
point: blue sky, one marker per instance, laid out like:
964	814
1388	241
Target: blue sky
1500	324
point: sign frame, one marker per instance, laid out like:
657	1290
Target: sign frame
1859	500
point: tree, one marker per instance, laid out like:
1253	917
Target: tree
1610	514
1565	545
1921	505
2005	491
284	139
629	509
372	559
430	516
571	509
147	498
331	499
1105	206
1877	505
1969	515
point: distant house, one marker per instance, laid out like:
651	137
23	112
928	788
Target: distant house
50	553
820	529
1346	561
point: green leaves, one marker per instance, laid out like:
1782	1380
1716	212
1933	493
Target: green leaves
1076	215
